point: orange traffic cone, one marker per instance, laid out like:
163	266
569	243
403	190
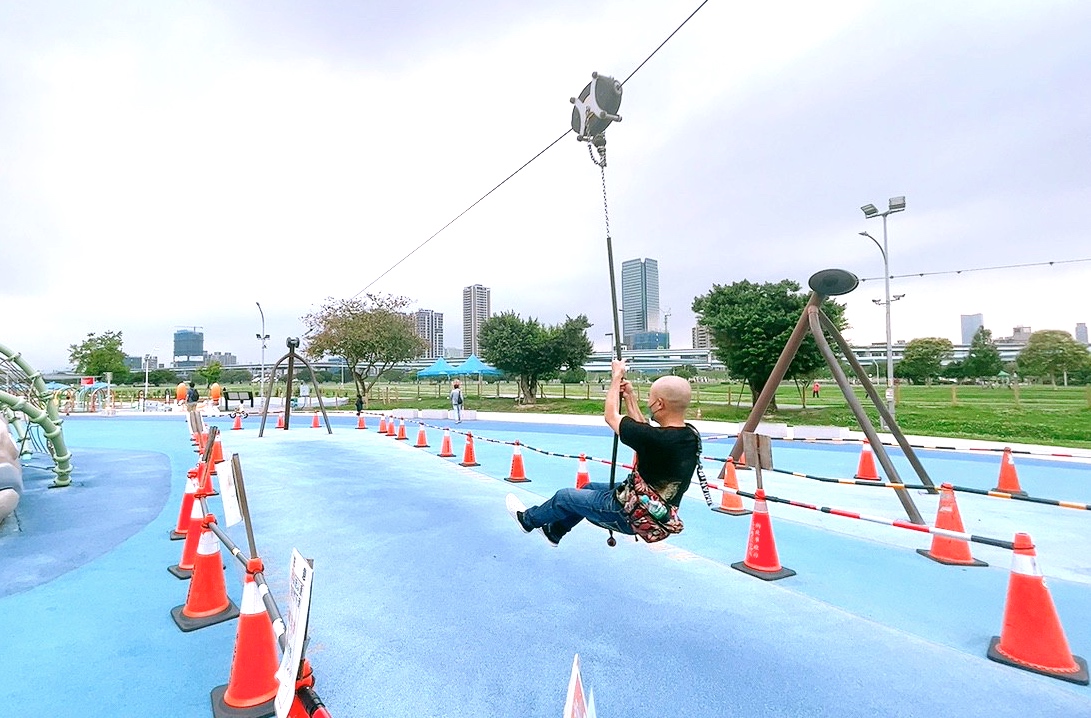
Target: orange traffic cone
252	684
518	473
422	438
1009	478
217	454
391	427
1032	637
468	458
184	568
238	423
445	446
204	479
730	502
401	432
583	477
361	423
314	422
382	424
306	680
950	551
207	602
280	421
761	550
185	512
866	468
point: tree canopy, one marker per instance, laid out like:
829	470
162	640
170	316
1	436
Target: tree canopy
533	352
750	324
922	361
98	354
209	373
1051	352
983	360
371	334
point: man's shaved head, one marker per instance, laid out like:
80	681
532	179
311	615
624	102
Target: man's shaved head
674	391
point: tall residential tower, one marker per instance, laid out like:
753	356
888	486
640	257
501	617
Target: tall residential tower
639	298
430	328
476	308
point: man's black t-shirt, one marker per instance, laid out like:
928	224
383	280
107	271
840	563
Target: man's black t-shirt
666	455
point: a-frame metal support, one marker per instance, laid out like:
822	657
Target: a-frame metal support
813	320
291	356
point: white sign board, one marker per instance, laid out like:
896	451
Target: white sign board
229	494
300	576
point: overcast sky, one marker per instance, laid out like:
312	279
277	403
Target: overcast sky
169	164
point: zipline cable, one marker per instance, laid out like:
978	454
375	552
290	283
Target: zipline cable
522	167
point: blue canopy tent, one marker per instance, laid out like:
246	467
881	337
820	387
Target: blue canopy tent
439	368
473	365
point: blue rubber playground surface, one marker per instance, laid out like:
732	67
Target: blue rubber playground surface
428	600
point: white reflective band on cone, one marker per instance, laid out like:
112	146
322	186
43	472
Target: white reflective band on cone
1025	565
209	544
251	599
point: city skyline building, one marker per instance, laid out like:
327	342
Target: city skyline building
639	298
225	358
700	337
476	308
429	325
189	348
1081	332
970	324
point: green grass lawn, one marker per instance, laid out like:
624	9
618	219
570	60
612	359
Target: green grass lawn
1029	414
1037	415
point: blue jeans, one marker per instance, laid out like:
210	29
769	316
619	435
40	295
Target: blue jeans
594	502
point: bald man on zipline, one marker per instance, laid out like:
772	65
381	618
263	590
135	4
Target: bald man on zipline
646	503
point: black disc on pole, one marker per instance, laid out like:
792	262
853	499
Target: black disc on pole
832	282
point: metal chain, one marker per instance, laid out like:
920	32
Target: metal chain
602	171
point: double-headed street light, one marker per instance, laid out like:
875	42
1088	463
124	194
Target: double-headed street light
897	204
263	337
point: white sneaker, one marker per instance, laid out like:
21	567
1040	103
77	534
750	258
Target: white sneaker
516	507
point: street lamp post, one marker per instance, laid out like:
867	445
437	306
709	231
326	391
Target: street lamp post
897	204
144	401
263	337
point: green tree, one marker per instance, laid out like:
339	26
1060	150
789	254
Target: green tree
922	361
1051	352
209	373
685	371
571	342
164	376
98	354
750	325
371	334
983	360
532	352
574	376
236	376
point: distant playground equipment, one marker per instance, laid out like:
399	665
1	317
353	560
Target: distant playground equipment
284	420
31	413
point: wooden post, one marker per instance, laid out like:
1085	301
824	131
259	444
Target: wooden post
759	453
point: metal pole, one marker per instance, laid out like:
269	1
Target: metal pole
889	343
144	402
263	337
